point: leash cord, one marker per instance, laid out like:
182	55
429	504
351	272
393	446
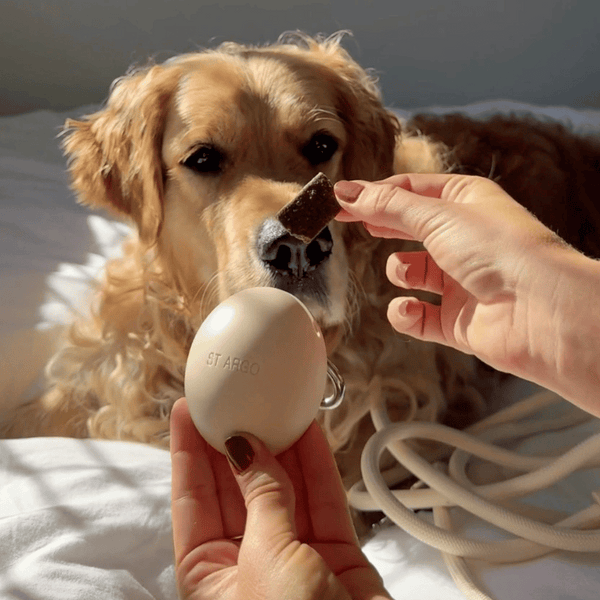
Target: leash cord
451	487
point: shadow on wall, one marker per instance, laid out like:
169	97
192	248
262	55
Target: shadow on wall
58	54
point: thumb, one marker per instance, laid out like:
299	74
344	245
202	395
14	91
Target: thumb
267	490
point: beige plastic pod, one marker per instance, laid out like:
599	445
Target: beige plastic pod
258	364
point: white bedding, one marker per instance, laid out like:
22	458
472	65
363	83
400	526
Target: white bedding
90	519
84	519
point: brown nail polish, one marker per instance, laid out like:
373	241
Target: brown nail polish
239	452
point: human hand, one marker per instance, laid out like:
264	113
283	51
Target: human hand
298	541
491	262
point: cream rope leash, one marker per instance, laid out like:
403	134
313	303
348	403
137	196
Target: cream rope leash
453	488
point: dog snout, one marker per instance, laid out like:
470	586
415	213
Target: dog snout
286	255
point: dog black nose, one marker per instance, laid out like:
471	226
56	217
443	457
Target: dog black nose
286	254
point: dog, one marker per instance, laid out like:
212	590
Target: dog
199	153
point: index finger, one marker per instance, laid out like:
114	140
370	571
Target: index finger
196	513
401	203
327	504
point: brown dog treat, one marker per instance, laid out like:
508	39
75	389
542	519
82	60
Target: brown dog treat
310	211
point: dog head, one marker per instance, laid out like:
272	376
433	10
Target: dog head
202	151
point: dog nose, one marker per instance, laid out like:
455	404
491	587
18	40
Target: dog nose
286	254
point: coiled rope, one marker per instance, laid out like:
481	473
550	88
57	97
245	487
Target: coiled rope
452	487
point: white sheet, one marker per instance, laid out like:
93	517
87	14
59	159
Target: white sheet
85	519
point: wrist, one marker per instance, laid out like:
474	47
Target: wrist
567	326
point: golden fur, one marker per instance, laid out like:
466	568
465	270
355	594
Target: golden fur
119	372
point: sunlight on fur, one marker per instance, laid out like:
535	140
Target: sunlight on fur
198	153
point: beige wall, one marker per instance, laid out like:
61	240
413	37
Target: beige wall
64	53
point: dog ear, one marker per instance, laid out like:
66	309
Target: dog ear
372	128
114	155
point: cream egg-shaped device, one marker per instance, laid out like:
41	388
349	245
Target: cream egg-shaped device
257	364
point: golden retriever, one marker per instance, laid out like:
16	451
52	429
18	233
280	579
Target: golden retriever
200	153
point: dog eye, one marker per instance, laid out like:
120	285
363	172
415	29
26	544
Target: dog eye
205	159
320	149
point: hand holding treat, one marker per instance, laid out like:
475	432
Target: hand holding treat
510	289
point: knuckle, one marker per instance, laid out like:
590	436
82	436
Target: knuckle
382	198
385	198
263	488
463	186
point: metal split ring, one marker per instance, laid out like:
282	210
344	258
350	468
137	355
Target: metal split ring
339	388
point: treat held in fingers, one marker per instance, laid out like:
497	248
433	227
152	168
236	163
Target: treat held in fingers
310	211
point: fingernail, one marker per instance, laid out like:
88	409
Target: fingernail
403	308
407	306
239	452
401	269
348	191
